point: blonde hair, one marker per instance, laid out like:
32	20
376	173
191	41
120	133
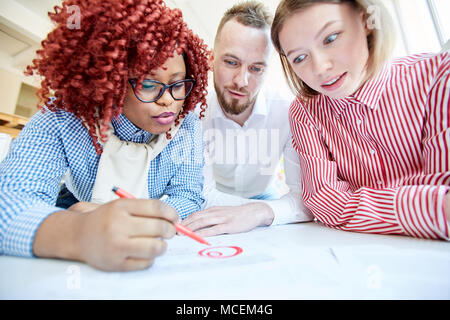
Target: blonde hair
380	40
249	13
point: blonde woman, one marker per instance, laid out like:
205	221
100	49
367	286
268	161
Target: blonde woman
372	136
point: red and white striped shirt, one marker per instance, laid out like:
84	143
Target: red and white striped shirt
378	161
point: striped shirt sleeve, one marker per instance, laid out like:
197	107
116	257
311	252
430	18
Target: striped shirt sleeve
420	207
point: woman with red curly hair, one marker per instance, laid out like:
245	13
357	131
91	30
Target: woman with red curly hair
117	95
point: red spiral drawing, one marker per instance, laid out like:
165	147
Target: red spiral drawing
220	252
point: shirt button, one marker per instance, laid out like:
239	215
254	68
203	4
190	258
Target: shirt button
358	122
379	182
372	152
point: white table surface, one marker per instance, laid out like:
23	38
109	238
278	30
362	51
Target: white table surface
296	261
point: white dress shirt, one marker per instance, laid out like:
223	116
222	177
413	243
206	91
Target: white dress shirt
241	162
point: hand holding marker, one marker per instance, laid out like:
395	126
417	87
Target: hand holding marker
180	228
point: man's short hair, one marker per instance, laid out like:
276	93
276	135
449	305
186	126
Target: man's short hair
249	13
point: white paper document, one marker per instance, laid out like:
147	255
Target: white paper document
5	141
265	269
392	273
283	262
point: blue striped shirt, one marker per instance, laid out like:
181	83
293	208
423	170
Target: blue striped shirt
54	144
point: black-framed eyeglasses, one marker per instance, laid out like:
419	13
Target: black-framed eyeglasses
153	90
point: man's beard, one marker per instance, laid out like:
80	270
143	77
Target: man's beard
233	107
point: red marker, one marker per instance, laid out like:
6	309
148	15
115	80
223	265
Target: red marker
180	228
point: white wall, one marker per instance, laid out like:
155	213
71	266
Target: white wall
24	24
9	91
21	31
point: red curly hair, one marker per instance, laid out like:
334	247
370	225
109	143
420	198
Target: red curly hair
86	70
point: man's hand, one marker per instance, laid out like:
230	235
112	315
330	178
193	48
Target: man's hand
121	235
229	219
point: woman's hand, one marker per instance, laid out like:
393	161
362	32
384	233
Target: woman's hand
83	206
126	234
122	235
